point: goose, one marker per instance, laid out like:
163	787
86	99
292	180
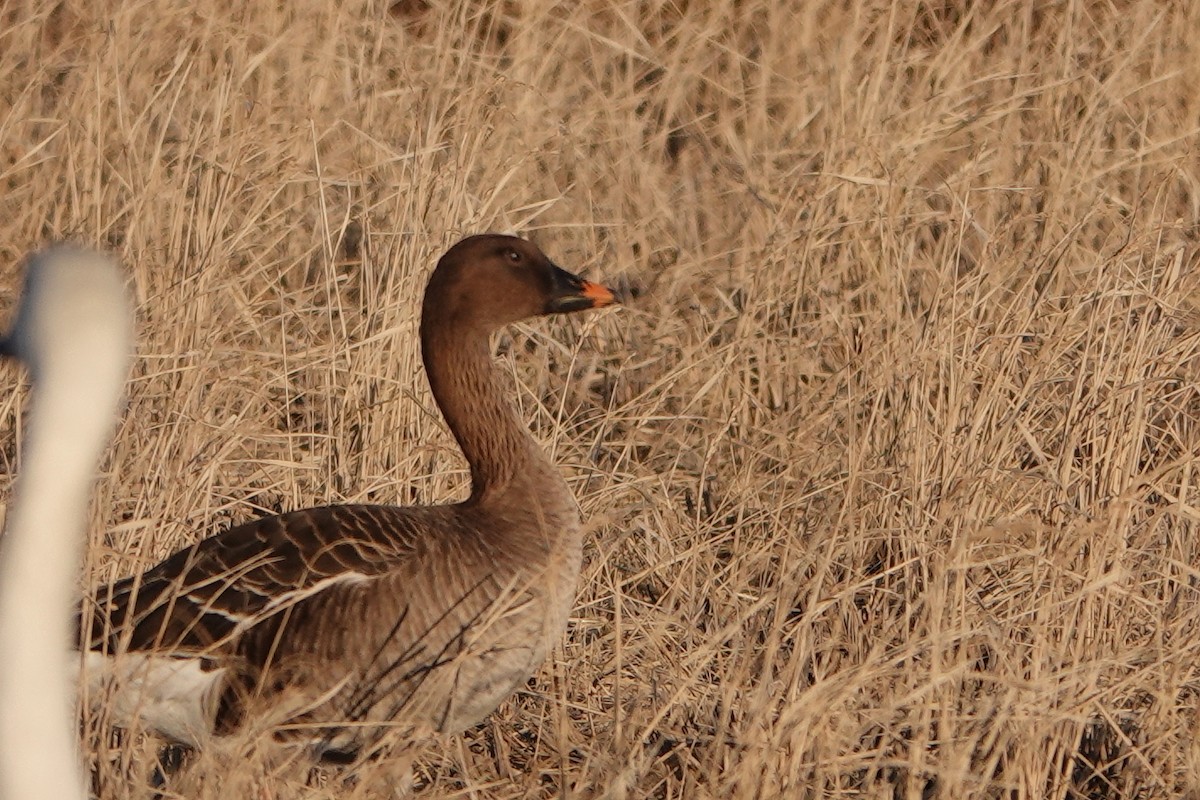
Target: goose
73	331
340	623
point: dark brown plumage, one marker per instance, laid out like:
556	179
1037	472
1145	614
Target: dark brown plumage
344	620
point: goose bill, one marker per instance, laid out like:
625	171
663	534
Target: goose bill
573	293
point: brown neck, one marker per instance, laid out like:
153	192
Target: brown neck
471	394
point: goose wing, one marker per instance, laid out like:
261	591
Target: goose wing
201	599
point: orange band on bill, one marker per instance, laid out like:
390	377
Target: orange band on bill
599	295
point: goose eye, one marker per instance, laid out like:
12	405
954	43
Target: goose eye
513	256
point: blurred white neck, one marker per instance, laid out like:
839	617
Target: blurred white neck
73	332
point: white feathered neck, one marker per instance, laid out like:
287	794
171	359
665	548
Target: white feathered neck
73	331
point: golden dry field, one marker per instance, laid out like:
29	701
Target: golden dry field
889	460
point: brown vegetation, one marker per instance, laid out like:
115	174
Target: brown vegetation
888	459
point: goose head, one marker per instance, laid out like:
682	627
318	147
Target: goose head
485	282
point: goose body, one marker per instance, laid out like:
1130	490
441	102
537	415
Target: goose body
339	623
73	332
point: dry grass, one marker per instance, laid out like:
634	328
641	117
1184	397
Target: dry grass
889	458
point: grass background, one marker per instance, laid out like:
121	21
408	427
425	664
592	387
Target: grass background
889	459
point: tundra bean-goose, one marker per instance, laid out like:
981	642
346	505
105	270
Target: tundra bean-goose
343	621
73	332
